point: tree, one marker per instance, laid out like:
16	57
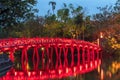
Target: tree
108	21
63	14
53	4
31	28
117	7
17	11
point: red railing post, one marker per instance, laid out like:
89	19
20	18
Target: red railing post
24	59
35	59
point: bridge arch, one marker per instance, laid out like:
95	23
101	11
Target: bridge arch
51	57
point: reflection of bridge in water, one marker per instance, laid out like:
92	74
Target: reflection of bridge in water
49	57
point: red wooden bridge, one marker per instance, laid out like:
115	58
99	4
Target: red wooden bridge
49	57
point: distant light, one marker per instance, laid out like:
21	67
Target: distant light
101	35
98	69
102	74
42	48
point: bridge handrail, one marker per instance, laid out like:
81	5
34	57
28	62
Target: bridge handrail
7	43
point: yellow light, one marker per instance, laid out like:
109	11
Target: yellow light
102	74
42	48
101	35
98	69
28	67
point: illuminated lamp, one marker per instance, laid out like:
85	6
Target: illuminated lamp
42	48
91	64
67	70
86	66
15	73
80	67
40	73
101	35
29	74
59	71
74	69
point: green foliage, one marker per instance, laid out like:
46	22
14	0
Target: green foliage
32	28
17	11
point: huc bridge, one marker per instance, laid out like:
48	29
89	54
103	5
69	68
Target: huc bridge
49	57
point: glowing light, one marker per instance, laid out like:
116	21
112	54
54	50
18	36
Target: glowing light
29	73
42	48
80	68
67	70
91	64
101	35
60	71
40	73
74	69
98	69
98	41
86	66
102	74
15	73
28	67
